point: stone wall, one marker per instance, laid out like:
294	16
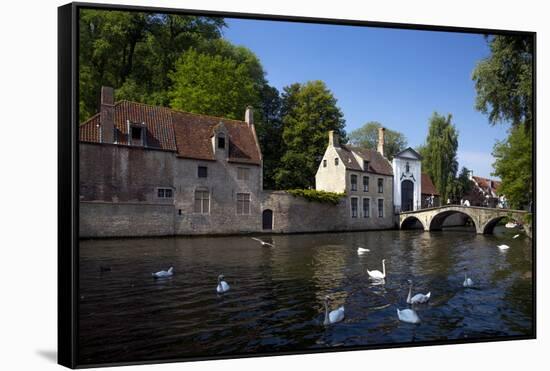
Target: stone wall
119	198
296	214
106	219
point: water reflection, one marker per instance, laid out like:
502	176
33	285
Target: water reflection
276	301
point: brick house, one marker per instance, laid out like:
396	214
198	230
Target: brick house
150	170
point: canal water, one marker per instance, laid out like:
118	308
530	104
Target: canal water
276	297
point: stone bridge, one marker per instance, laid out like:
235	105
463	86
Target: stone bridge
484	218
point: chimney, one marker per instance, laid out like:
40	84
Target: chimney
249	116
381	140
107	114
333	139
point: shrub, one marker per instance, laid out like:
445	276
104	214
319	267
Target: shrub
317	196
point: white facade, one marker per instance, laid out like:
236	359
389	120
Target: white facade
407	166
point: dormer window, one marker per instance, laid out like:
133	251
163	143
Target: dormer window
365	165
136	134
221	141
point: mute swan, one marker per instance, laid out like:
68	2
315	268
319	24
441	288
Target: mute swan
163	274
511	225
361	250
408	315
334	316
222	285
418	298
516	236
467	281
503	247
262	242
377	275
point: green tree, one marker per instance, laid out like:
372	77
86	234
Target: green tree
367	137
513	164
133	52
439	159
309	111
460	186
504	80
270	134
218	84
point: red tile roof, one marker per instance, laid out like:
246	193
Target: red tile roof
378	164
487	184
188	134
426	185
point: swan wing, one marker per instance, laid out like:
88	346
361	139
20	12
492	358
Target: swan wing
336	315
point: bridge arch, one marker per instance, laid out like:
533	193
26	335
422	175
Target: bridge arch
410	221
491	223
436	223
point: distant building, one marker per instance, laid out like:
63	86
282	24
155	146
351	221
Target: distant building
430	195
484	192
364	175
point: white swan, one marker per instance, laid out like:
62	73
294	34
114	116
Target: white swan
262	242
418	298
362	250
334	316
163	274
222	285
467	280
408	315
511	225
503	247
516	236
377	275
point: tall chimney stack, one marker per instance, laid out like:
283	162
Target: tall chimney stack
249	116
107	114
381	132
333	139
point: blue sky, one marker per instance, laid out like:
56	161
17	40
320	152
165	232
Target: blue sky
396	77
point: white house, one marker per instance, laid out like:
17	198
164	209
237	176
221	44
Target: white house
407	185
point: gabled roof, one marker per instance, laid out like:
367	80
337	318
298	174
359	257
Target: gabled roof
426	185
487	185
409	153
377	163
187	134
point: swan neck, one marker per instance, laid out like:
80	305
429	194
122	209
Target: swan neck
384	268
410	291
326	313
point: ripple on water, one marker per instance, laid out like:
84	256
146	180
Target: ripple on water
276	301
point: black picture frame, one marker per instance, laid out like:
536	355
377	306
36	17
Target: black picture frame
68	178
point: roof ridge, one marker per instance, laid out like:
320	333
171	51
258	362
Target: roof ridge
177	110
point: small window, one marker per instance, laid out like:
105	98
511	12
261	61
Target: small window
243	203
336	161
365	184
354	182
380	208
354	207
380	185
165	193
407	167
324	163
221	141
203	171
136	133
202	202
366	208
243	173
365	165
